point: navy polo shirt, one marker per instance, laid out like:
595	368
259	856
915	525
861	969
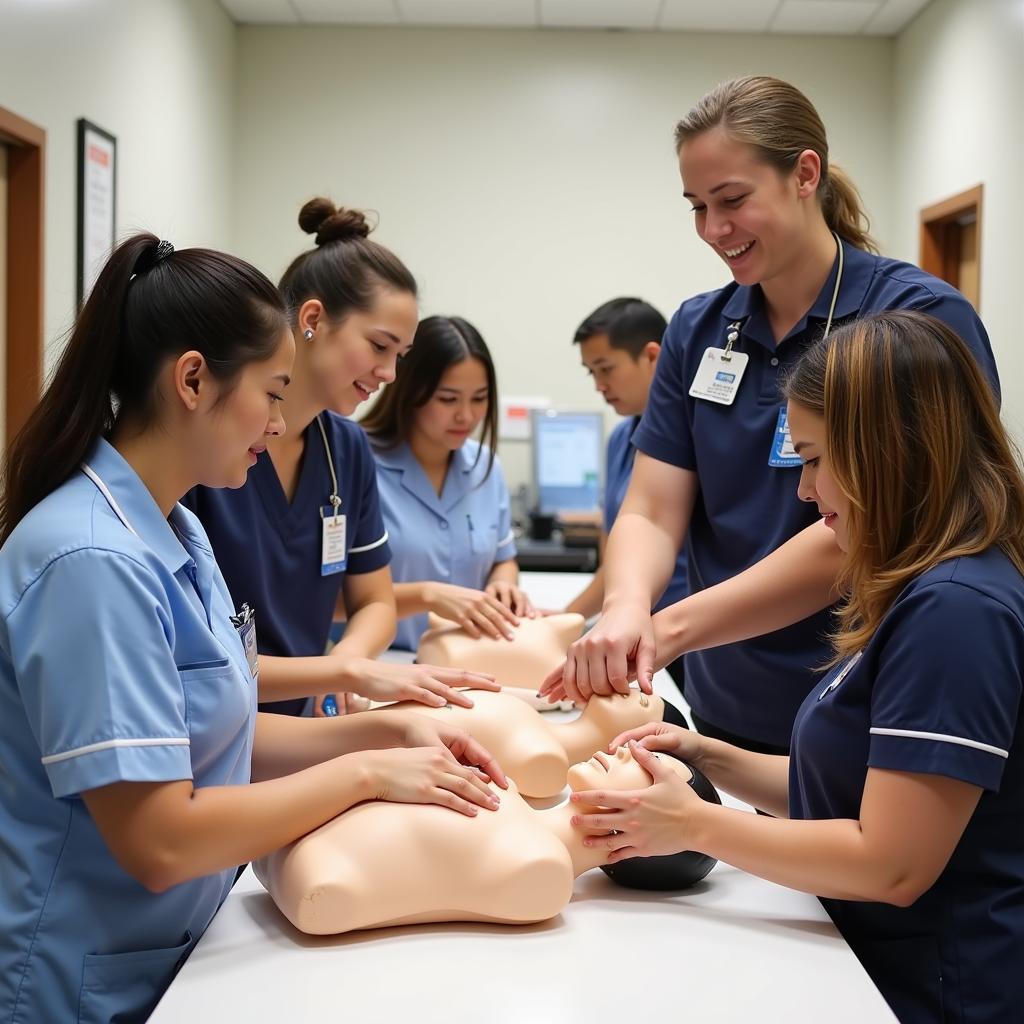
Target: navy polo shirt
618	470
269	550
937	690
746	508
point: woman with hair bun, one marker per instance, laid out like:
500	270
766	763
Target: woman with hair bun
304	541
714	465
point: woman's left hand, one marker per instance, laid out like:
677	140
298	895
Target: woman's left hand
651	822
512	597
421	731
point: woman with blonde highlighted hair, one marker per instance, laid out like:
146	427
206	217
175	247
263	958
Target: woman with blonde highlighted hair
905	782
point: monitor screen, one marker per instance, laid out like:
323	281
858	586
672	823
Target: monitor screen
568	456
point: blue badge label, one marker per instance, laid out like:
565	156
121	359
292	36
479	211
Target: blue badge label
726	378
782	455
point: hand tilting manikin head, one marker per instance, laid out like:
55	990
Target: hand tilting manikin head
382	864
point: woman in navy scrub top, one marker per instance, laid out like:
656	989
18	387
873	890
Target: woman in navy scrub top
905	781
128	720
444	496
713	462
354	306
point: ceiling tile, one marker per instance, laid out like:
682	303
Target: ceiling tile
893	17
823	17
260	12
720	16
637	14
347	12
485	13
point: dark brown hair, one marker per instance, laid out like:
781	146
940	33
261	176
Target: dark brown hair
149	304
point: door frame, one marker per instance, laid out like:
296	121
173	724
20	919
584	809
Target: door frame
940	234
26	165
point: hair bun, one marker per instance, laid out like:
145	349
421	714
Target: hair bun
322	218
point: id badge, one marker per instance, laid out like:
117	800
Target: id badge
332	547
718	376
247	634
783	454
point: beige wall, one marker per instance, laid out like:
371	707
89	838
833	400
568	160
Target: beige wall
525	177
158	74
959	120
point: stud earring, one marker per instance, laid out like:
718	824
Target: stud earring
308	334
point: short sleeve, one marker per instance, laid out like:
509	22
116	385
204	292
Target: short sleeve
368	548
664	432
947	685
506	538
92	647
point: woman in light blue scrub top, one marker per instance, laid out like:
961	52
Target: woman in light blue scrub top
444	496
128	680
905	781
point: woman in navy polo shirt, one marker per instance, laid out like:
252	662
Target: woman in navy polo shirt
907	763
714	464
303	542
445	499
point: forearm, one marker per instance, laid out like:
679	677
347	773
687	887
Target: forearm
761	780
370	630
639	561
588	601
289	678
794	581
831	858
507	572
412	598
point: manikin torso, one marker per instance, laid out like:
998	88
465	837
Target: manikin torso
383	864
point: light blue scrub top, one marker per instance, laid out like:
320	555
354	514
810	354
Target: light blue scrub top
455	538
118	662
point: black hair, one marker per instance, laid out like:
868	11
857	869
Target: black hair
149	304
440	342
629	323
345	268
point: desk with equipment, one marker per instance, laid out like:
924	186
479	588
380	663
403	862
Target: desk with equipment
733	948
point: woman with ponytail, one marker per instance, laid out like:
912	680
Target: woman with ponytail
128	724
315	547
714	467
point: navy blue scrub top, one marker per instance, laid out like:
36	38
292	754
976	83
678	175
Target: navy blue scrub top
618	470
269	551
936	690
746	508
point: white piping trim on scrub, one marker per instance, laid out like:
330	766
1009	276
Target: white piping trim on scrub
90	473
941	737
507	539
92	748
370	547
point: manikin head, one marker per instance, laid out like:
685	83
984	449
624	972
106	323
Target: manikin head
620	771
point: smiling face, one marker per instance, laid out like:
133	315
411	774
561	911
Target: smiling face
352	358
618	771
817	484
456	408
755	218
623	382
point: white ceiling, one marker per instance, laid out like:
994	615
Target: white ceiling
820	17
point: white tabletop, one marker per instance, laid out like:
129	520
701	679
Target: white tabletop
733	948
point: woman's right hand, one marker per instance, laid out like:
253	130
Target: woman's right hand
660	736
475	611
427	775
618	649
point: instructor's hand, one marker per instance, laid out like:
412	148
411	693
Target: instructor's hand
476	611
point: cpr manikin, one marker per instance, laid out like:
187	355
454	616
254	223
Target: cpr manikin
535	751
383	864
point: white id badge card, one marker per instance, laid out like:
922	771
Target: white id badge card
247	634
783	455
718	377
332	550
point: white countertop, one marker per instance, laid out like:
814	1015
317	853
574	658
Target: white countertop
733	948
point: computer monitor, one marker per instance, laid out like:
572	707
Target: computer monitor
568	460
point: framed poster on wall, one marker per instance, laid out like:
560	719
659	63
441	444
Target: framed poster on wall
97	202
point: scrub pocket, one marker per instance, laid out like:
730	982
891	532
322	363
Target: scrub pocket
123	988
217	705
908	972
484	540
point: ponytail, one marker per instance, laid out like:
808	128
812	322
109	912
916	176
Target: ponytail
843	209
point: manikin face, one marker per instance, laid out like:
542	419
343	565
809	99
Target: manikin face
620	379
816	481
456	408
351	359
618	771
754	218
237	428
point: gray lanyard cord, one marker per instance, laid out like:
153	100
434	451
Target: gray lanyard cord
335	498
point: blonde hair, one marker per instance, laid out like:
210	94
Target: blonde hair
780	122
914	442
